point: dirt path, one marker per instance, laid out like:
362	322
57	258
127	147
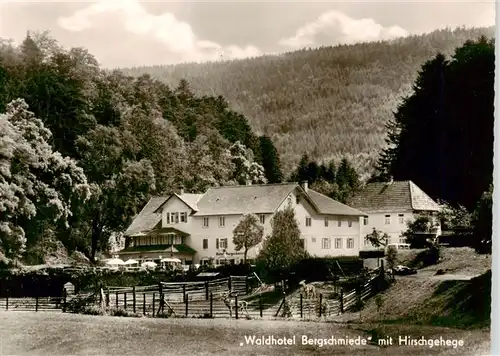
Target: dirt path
430	275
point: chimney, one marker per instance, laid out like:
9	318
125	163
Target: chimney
249	182
181	190
305	186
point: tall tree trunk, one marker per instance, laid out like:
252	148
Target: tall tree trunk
245	256
96	236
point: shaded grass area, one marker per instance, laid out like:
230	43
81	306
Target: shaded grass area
458	260
269	298
24	333
457	304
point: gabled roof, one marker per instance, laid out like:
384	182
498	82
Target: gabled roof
150	215
395	196
243	199
327	205
147	218
191	200
239	199
265	198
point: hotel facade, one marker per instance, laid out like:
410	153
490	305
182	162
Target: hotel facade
198	228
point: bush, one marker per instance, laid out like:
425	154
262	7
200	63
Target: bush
123	312
92	310
323	269
428	257
164	315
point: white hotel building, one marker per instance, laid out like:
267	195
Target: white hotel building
198	227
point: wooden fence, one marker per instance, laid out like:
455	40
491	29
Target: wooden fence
204	299
32	304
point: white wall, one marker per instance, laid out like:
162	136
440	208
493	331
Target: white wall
394	229
214	231
314	234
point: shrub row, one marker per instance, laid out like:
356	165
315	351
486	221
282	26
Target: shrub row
49	281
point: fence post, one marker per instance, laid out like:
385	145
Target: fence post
206	290
65	296
36	303
229	283
187	304
246	285
116	300
133	291
260	305
107	298
143	303
7	303
301	304
211	305
125	300
184	293
342	300
154	296
320	304
236	306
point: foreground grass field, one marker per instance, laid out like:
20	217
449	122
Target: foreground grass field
28	333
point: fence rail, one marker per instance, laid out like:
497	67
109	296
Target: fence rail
202	299
32	304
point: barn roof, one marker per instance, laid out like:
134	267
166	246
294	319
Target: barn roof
395	196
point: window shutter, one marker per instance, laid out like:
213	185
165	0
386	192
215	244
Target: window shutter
168	218
217	243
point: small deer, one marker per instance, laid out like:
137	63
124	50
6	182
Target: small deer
230	303
308	289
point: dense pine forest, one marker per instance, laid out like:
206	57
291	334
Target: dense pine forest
328	102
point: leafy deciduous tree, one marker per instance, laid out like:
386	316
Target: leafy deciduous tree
283	248
247	234
38	186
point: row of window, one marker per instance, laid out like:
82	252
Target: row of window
327	221
158	240
387	219
175	218
219	244
225	261
326	243
222	220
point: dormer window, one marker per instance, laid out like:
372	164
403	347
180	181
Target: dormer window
174	218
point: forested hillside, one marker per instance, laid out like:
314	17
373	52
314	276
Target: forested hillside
82	150
329	102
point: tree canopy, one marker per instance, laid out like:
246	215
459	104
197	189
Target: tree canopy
114	138
247	234
331	102
441	136
283	248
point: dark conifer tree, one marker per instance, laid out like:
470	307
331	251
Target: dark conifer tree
441	136
269	158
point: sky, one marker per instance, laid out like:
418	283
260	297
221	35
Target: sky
125	33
